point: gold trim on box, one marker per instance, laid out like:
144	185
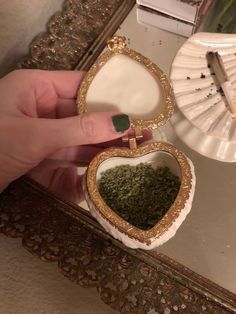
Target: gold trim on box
118	47
123	226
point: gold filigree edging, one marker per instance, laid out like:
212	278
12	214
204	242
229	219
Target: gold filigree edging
76	34
115	220
168	96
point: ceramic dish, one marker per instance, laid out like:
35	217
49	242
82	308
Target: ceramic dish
205	144
200	99
124	80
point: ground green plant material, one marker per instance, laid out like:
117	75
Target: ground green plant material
140	194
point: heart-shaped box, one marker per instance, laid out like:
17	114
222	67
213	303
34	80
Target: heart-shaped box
124	80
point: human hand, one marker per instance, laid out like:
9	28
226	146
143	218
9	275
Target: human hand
41	134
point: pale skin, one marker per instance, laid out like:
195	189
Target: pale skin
41	134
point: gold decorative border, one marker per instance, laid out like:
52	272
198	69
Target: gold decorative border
76	35
169	100
114	219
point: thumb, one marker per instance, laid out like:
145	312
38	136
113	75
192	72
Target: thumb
87	128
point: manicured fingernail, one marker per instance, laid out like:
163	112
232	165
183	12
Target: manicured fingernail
121	122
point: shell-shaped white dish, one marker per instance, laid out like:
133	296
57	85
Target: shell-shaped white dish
198	97
204	143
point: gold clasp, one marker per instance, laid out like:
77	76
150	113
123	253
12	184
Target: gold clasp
117	42
134	138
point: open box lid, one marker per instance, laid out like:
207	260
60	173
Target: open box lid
124	80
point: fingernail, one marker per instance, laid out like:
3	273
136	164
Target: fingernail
121	122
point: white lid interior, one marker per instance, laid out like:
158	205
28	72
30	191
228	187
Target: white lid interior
125	85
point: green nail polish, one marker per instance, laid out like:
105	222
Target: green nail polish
121	122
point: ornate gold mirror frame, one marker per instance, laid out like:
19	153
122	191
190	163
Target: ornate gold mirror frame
130	281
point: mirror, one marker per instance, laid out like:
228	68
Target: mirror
205	242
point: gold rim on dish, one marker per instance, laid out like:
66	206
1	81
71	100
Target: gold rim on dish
144	236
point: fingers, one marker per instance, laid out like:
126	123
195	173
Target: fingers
88	128
66	83
78	154
36	92
63	109
66	108
63	182
48	165
53	88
